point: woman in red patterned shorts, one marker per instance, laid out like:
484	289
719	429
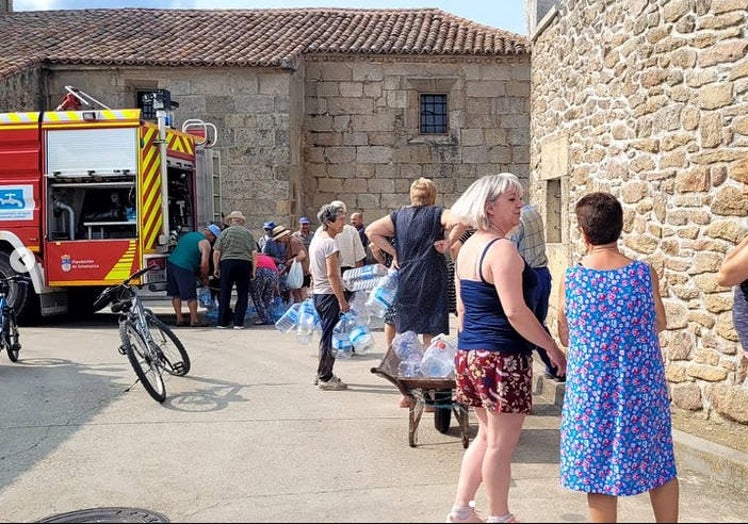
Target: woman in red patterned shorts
497	331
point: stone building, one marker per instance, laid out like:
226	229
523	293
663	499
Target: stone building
311	104
649	102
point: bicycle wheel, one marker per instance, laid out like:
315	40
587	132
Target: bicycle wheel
175	356
147	368
11	338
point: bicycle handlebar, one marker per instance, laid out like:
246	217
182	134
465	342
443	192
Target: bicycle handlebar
140	272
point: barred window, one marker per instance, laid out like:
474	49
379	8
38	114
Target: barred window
433	114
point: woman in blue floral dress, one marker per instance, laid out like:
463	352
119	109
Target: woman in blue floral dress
616	437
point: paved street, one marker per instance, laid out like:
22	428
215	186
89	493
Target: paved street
246	437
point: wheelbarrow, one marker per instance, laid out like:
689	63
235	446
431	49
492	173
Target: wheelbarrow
423	391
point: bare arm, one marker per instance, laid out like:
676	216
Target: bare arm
216	262
379	231
734	267
660	315
332	263
254	264
504	269
204	247
563	324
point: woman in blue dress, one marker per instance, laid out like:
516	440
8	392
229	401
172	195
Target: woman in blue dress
616	437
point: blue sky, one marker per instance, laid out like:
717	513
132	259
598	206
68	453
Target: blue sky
504	14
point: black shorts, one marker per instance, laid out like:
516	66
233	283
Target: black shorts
180	282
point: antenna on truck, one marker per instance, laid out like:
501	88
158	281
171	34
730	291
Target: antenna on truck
76	97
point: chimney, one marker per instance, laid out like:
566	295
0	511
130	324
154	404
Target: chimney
6	6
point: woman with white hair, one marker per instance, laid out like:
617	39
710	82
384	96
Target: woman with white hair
496	333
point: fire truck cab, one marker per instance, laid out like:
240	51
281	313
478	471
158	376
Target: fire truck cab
88	196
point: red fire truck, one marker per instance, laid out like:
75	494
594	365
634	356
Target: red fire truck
88	196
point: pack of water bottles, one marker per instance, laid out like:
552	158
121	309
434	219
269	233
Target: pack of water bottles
382	296
351	334
363	278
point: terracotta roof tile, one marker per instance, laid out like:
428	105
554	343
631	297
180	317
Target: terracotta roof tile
252	37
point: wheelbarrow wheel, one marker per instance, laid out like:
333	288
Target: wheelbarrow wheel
442	410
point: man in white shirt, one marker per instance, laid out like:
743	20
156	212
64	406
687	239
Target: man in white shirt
352	252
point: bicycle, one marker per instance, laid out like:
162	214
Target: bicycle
150	345
9	335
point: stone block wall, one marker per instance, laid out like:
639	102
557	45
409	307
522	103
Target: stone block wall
362	142
21	91
647	100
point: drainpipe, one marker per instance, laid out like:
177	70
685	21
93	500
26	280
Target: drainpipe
161	120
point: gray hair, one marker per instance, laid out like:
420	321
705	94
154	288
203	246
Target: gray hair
329	213
470	208
340	204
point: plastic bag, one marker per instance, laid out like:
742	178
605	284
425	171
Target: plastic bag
295	278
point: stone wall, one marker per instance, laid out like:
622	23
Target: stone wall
21	91
647	100
338	127
362	143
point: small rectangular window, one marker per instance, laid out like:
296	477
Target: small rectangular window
433	114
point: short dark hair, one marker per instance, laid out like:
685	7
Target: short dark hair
600	216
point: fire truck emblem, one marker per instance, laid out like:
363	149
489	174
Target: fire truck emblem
65	263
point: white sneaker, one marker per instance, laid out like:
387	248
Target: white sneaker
332	385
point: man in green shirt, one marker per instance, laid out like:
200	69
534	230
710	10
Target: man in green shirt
189	260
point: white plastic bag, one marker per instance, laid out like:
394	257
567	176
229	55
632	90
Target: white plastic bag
295	277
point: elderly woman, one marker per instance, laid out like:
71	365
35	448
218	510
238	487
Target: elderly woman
422	300
328	290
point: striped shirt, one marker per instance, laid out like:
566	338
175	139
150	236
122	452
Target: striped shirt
236	243
530	237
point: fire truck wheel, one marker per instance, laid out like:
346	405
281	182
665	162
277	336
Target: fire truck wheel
22	298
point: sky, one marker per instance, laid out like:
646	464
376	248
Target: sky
504	14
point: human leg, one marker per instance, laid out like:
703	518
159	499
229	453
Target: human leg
471	475
502	435
194	318
224	296
602	508
242	272
328	310
664	500
176	303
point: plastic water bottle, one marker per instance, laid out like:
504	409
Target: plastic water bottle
288	321
407	346
342	347
409	368
364	277
305	322
438	359
204	298
383	296
361	337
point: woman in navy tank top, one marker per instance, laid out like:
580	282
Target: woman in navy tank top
497	331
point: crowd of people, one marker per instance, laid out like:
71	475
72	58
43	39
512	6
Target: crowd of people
484	259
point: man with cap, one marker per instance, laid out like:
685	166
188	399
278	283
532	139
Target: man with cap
293	250
268	229
190	259
235	262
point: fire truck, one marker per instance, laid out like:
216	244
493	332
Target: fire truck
90	194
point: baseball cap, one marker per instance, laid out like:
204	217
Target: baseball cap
268	225
304	220
214	229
